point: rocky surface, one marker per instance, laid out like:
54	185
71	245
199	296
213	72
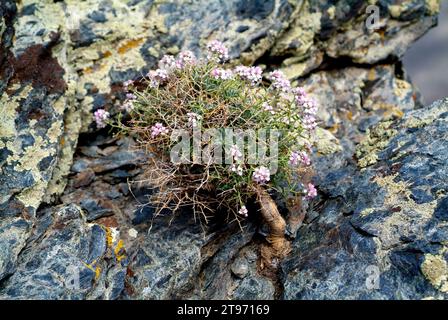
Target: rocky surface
382	230
74	226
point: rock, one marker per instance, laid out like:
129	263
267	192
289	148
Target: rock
13	235
379	235
165	265
338	30
61	60
240	268
65	258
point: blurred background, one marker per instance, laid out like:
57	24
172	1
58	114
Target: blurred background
427	60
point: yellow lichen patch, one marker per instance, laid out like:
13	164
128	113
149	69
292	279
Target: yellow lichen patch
107	54
349	115
433	6
402	88
418	121
331	12
303	29
399	195
335	128
129	44
435	269
9	107
31	156
32	197
375	141
93	267
372	75
109	238
54	132
118	249
97	273
72	125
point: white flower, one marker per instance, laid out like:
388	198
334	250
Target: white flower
237	169
243	211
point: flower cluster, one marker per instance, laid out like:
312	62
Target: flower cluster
309	114
311	191
299	157
223	74
235	153
267	107
280	82
185	58
158	129
238	169
193	119
128	104
261	175
251	74
127	84
217	51
168	63
243	211
101	116
157	77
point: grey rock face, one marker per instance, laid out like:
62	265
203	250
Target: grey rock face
380	234
60	61
62	259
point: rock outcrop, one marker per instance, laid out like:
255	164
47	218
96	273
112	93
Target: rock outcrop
73	227
382	229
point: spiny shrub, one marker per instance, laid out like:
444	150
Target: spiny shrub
201	101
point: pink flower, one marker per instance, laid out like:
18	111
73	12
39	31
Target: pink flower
235	152
300	95
267	107
309	111
127	83
185	58
279	81
243	211
131	96
217	51
311	191
261	175
252	74
193	119
127	105
158	129
101	116
168	63
223	74
157	77
299	157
